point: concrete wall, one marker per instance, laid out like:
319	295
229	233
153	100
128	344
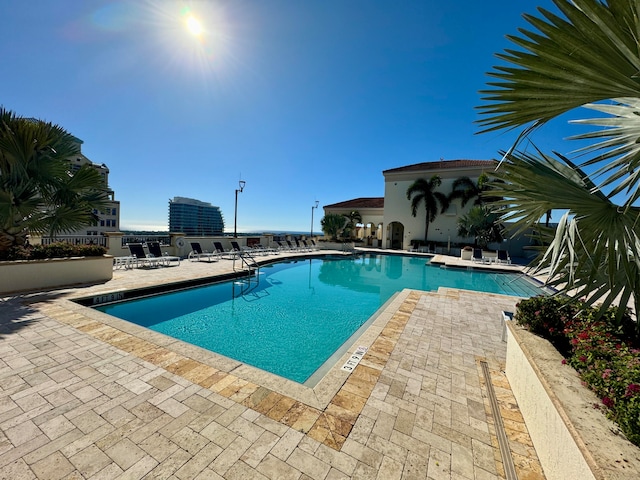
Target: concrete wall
573	440
34	275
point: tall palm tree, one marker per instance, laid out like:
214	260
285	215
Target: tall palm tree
424	191
588	57
466	189
353	218
38	194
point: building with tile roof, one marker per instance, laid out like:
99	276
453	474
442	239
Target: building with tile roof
387	221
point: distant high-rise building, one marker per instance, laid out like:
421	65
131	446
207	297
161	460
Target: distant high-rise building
193	217
109	217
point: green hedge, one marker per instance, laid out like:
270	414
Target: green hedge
54	250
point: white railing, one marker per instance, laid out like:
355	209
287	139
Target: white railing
76	240
162	239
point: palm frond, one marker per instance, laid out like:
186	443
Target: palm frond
595	250
618	149
589	55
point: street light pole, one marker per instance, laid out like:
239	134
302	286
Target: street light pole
241	184
312	207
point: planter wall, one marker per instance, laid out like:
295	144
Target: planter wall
335	245
33	275
573	439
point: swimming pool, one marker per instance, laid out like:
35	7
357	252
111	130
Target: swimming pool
295	314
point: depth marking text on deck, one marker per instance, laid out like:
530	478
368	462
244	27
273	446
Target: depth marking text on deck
354	359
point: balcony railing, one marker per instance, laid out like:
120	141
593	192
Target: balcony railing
163	239
76	240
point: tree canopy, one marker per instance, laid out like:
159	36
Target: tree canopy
423	191
587	56
38	193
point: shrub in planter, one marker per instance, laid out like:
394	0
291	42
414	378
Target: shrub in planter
600	348
546	316
611	368
54	250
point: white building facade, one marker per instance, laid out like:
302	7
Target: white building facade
401	227
387	221
109	217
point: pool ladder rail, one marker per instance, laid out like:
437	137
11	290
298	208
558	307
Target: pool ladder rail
252	268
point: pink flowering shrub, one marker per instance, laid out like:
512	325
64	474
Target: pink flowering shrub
611	368
546	316
600	348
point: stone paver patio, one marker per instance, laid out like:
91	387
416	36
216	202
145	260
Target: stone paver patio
83	395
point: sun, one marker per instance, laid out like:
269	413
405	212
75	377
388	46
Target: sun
194	26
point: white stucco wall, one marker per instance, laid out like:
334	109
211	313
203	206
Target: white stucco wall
573	440
34	275
397	208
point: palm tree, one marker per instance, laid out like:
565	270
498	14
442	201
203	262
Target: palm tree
424	191
587	58
332	224
466	189
482	223
38	194
353	218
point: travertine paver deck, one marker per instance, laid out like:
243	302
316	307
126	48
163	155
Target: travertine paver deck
86	396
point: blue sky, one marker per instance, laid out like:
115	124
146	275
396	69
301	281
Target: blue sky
304	100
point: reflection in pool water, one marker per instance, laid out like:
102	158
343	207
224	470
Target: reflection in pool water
296	314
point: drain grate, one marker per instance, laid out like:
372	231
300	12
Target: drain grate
503	442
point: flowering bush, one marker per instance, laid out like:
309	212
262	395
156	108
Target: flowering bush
597	347
54	250
609	367
546	316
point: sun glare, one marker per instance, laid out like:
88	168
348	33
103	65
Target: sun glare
194	26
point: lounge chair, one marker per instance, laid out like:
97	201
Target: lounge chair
503	257
302	246
198	254
154	249
143	259
292	247
235	248
477	256
282	247
222	253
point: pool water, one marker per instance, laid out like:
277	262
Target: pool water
294	315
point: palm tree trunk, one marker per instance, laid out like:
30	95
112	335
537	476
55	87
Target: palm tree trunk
6	241
426	227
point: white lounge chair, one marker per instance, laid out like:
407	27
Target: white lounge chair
154	249
198	254
143	259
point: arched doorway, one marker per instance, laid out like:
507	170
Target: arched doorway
396	236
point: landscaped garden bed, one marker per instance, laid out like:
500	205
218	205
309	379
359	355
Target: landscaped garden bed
577	388
54	266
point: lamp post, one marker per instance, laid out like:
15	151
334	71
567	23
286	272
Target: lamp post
241	184
312	207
